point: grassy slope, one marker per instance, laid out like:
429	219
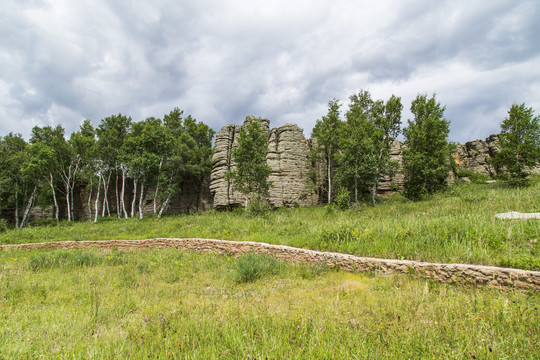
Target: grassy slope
171	304
457	226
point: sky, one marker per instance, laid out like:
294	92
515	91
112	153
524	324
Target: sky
63	61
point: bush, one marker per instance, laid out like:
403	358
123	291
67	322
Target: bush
474	177
258	206
342	199
252	267
3	225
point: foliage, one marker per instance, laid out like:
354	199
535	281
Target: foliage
342	199
3	225
474	177
365	142
427	152
258	206
326	134
251	172
117	155
520	143
253	267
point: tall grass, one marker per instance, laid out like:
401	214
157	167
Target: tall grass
455	226
190	306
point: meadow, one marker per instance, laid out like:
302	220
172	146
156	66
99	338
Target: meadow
169	304
456	226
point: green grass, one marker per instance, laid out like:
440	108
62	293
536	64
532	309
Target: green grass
183	305
455	226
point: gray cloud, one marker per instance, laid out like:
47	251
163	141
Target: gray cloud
64	61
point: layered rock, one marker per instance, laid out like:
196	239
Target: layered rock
288	158
477	155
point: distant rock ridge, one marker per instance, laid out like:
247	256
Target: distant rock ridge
289	160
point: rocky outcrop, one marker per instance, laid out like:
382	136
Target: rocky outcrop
396	181
477	155
447	273
288	158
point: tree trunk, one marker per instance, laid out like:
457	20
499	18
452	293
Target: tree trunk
105	194
16	210
141	199
157	186
166	203
329	182
164	206
134	197
97	199
107	197
118	210
90	201
122	199
56	210
24	220
68	202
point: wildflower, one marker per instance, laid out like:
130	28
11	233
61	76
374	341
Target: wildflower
145	319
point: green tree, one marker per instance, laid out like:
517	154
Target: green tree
143	152
366	141
18	189
83	143
111	134
49	156
427	152
251	172
326	133
520	143
190	157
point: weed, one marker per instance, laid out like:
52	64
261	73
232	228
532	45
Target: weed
253	267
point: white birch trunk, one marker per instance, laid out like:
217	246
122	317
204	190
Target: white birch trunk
56	210
122	199
28	207
134	197
141	199
97	199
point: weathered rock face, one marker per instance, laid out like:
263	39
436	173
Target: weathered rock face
288	158
477	155
397	181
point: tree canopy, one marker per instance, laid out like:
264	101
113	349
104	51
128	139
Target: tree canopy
520	143
427	152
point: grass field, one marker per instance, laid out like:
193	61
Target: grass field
455	226
168	304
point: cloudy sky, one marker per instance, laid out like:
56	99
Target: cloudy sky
62	61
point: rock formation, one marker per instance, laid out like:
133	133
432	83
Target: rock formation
288	157
477	155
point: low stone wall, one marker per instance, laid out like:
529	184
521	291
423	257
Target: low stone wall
447	273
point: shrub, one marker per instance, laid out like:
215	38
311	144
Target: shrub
252	267
342	199
3	225
474	177
258	206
